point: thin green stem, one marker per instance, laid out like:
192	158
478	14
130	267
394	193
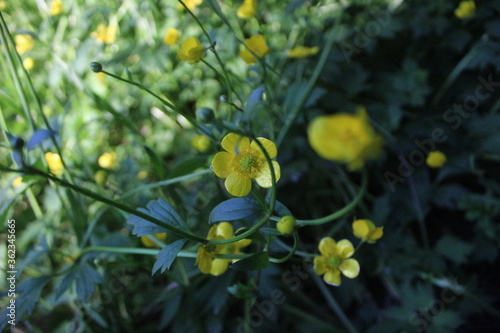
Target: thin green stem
34	204
291	253
133	250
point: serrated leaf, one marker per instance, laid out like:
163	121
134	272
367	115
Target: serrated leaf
234	209
254	262
85	281
160	210
167	256
38	137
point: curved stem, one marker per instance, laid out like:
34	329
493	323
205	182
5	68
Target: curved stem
291	253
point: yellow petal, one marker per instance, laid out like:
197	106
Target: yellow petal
248	57
327	247
332	277
234	143
219	266
376	234
203	260
221	164
238	186
212	232
247	9
320	265
225	229
264	177
345	249
269	146
361	228
350	268
242	243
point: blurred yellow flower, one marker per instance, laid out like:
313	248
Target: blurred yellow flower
465	9
100	176
2	5
17	181
54	162
206	256
242	161
335	258
366	230
28	63
191	50
171	36
286	225
108	161
247	9
190	4
345	138
147	242
143	174
24	43
256	43
436	159
105	34
56	7
302	51
200	143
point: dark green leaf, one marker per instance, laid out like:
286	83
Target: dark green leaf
234	209
454	249
256	261
160	210
187	166
167	256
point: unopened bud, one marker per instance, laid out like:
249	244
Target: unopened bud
205	115
96	67
286	225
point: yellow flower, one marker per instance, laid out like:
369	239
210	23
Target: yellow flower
143	174
345	138
200	143
190	4
257	44
17	181
56	7
191	50
206	256
108	161
242	161
28	63
247	9
24	43
100	176
2	5
302	51
465	9
105	34
147	242
334	259
171	36
436	159
366	230
54	162
286	225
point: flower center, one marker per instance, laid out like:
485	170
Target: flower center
333	262
247	163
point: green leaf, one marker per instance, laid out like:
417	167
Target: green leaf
454	249
187	166
160	210
242	291
254	262
234	209
85	277
167	256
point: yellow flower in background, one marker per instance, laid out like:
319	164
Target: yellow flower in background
345	138
147	242
105	34
256	43
56	7
171	36
191	50
54	162
248	9
18	180
242	161
436	159
465	9
28	63
108	161
100	176
143	174
24	43
335	259
206	255
200	143
302	51
2	5
190	4
366	230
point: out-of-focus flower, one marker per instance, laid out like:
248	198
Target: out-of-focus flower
143	174
105	34
248	9
100	176
17	181
256	43
345	138
191	50
147	242
465	9
286	225
28	63
171	36
54	162
335	258
366	230
242	161
200	143
56	7
24	43
436	159
108	161
2	5
302	51
190	4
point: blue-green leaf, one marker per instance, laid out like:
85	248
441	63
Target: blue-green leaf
167	256
160	210
234	209
38	137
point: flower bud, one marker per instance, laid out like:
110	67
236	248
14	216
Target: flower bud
96	67
286	225
223	99
205	115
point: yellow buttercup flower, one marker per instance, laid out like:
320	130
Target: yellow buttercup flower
143	174
436	159
108	161
147	242
247	9
206	255
256	43
242	161
54	162
366	230
200	143
190	4
171	36
28	63
105	34
17	181
335	259
24	43
191	50
345	138
302	51
56	7
465	9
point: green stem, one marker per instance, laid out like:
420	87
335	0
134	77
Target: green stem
291	253
34	204
133	250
